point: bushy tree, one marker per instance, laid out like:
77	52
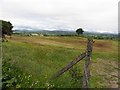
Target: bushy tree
5	28
79	31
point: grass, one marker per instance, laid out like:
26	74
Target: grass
41	57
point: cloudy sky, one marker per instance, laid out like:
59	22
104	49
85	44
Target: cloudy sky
91	15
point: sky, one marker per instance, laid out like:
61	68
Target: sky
91	15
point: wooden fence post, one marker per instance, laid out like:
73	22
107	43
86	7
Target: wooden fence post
86	76
88	55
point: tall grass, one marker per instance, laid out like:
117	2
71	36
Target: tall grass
31	65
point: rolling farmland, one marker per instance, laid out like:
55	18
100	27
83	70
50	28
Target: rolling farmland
29	62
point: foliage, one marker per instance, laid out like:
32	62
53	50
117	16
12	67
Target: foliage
13	77
6	27
79	31
77	76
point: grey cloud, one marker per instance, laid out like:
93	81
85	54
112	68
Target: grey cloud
93	14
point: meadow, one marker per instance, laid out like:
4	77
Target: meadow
29	62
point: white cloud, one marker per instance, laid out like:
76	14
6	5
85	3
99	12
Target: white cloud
89	14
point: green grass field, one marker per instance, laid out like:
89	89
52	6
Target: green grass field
29	62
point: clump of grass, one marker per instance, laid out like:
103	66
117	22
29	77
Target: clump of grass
76	76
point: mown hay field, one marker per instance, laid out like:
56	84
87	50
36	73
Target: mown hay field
29	62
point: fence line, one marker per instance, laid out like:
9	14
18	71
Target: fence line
87	55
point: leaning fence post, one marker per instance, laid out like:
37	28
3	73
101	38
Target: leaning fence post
67	67
86	75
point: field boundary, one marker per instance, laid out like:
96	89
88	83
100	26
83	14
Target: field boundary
87	54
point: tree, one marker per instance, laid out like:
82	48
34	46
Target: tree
5	28
79	31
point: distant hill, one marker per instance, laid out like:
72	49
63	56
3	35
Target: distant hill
55	32
59	32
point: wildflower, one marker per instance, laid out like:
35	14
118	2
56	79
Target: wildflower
47	84
18	75
29	76
35	83
32	84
